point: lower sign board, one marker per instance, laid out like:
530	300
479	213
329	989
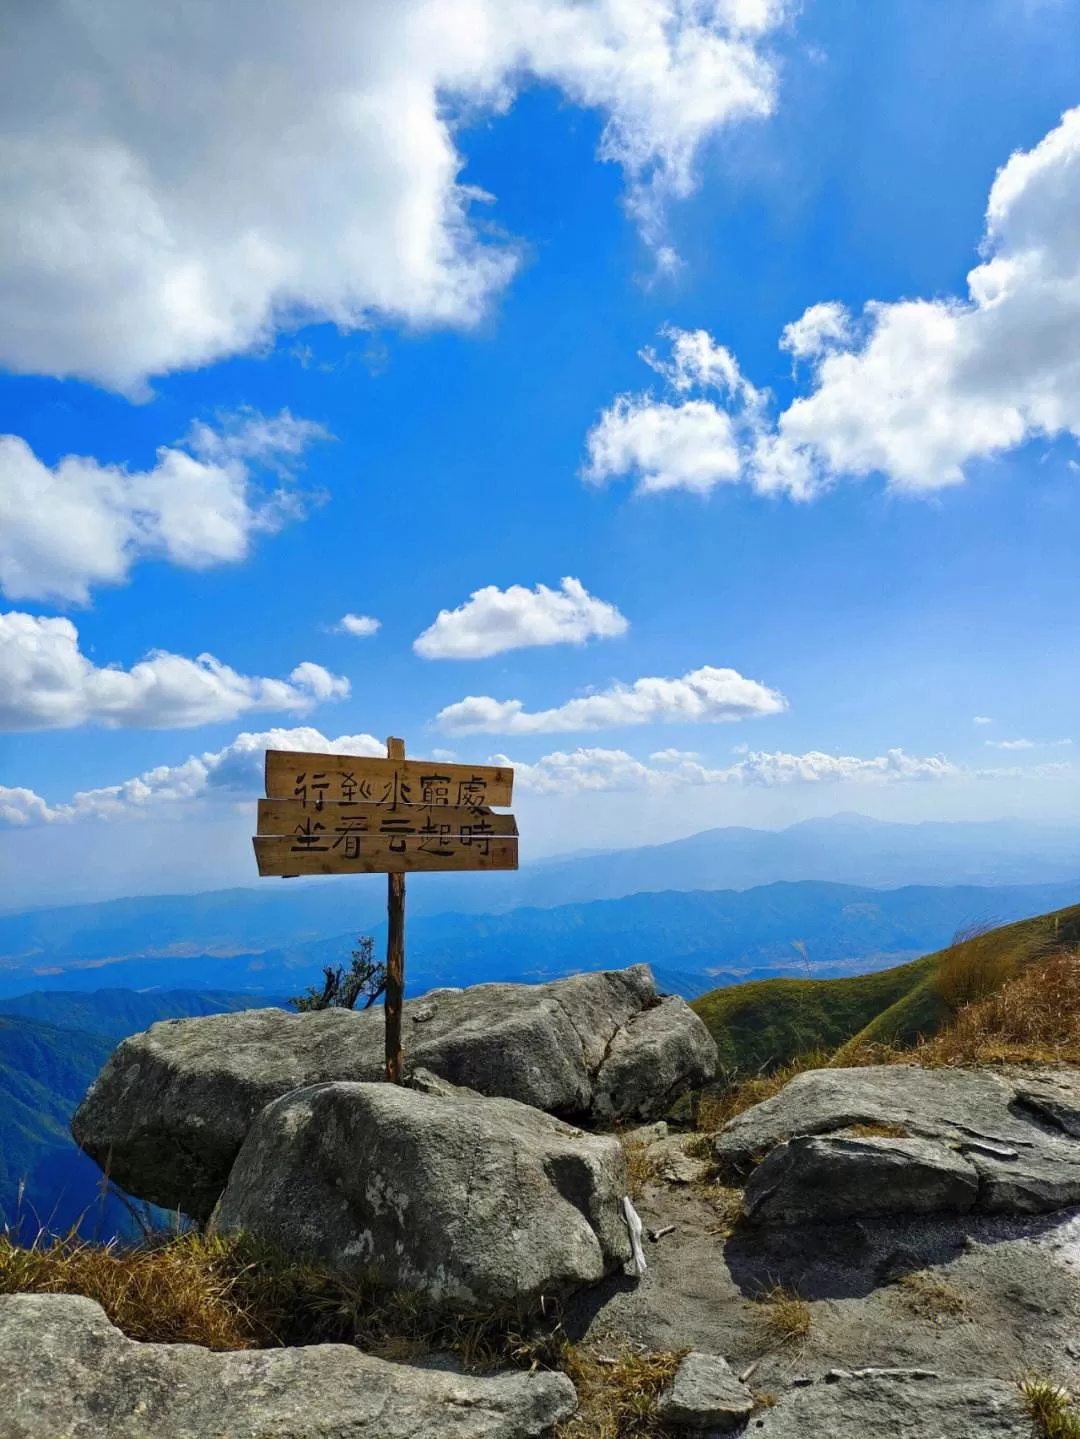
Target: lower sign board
294	817
332	853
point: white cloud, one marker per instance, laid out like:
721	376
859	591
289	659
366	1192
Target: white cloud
704	696
235	772
66	528
1026	743
982	719
915	390
361	627
680	444
820	328
494	621
46	682
183	180
597	770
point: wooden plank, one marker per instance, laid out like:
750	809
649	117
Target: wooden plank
282	855
387	782
293	816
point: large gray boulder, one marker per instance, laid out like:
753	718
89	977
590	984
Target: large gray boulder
469	1200
169	1111
67	1371
897	1404
947	1136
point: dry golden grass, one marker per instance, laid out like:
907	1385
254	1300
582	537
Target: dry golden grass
617	1399
1051	1408
877	1131
718	1107
931	1297
784	1315
1034	1018
234	1294
640	1169
981	961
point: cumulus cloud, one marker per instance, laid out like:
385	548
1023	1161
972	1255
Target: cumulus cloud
704	696
235	772
46	682
67	527
982	719
917	390
493	621
184	180
361	627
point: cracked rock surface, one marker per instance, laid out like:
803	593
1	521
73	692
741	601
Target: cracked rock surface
169	1111
469	1200
954	1140
67	1371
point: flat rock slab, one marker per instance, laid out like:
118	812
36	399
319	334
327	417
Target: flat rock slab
944	1129
169	1111
897	1405
466	1199
68	1371
705	1394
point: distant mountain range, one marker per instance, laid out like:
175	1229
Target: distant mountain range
846	849
694	941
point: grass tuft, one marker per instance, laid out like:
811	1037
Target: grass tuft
640	1169
785	1316
617	1398
1051	1408
932	1297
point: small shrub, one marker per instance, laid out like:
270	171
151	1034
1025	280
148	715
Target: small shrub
1051	1408
342	989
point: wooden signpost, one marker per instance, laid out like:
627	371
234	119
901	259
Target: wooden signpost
338	814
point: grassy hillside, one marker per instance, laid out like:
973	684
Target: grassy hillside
768	1023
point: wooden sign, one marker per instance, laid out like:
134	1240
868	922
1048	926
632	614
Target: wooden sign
341	779
336	814
279	855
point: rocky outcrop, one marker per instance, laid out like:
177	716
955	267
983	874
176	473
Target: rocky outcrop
170	1110
899	1403
469	1200
67	1371
945	1140
705	1394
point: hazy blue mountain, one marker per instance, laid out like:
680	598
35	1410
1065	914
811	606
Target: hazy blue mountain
846	849
47	1063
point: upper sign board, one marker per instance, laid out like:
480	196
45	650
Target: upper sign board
317	779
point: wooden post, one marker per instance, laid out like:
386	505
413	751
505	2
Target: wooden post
395	955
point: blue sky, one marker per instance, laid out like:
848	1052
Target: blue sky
881	548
